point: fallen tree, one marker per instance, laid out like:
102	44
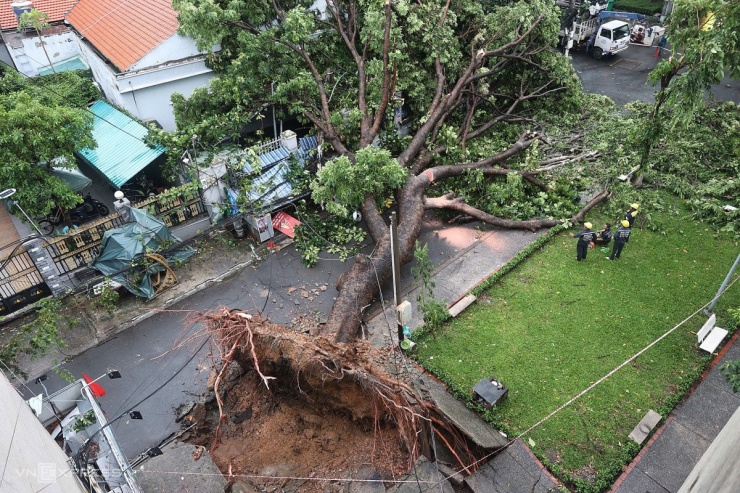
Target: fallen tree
477	79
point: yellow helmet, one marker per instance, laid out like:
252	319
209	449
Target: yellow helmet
588	225
625	223
635	206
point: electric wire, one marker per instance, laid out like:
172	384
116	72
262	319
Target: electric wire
597	382
82	450
31	392
477	462
45	88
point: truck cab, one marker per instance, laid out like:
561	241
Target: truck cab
611	37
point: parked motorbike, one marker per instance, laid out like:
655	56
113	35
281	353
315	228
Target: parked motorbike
89	209
92	205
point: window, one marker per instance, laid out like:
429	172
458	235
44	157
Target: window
621	32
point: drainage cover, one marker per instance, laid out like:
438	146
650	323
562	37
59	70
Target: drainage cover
627	64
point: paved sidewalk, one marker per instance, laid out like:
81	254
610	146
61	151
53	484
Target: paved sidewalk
669	456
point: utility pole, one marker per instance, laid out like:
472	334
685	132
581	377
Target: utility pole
710	308
396	261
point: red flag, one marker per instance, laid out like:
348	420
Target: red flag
95	388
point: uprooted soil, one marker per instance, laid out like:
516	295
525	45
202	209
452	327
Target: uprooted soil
305	446
331	409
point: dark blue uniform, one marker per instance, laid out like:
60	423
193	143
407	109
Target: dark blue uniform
620	238
603	237
630	216
584	238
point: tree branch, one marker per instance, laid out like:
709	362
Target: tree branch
450	202
375	224
386	89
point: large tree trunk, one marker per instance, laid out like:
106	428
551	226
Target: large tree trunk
359	287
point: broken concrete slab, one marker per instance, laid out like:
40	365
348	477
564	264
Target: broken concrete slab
367	480
461	305
514	470
645	426
200	475
452	475
464	419
423	477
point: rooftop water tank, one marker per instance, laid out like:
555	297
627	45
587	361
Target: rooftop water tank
20	7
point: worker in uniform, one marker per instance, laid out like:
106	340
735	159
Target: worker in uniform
621	237
585	237
604	236
631	213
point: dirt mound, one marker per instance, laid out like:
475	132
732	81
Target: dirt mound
307	413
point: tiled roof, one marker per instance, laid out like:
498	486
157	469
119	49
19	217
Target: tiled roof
55	9
124	30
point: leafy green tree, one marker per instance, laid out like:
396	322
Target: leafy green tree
475	76
42	123
705	48
38	21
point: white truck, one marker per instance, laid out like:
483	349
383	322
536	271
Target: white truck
601	37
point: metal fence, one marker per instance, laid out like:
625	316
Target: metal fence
81	246
21	282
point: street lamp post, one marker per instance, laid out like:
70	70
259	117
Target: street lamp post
5	194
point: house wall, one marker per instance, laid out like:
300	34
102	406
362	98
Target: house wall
175	47
5	54
33	461
28	53
146	93
103	73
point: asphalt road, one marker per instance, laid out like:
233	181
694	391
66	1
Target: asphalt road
623	77
279	286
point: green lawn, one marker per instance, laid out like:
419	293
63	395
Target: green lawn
639	6
553	326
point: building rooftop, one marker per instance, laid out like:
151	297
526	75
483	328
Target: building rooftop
124	31
55	9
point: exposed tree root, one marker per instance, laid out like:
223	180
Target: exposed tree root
344	376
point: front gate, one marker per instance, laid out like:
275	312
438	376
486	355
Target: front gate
21	282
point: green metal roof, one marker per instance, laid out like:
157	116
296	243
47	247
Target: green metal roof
74	63
121	151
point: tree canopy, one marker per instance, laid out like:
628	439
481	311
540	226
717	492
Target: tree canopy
705	47
42	123
477	79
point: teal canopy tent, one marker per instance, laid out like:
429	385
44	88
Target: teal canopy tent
126	246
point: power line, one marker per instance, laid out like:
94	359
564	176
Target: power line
46	88
596	383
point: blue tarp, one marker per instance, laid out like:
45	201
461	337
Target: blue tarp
123	247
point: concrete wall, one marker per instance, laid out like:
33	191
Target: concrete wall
28	53
5	55
34	461
103	73
146	93
175	47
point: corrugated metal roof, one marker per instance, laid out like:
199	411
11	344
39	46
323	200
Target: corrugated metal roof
121	151
55	9
124	31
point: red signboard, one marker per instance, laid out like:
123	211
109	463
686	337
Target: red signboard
285	223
